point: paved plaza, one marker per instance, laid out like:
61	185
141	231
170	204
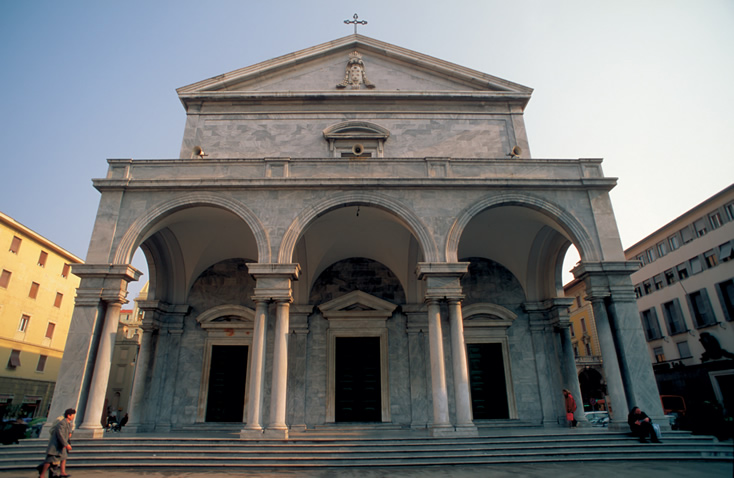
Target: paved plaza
600	469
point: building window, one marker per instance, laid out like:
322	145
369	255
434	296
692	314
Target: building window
641	258
583	325
588	350
650	324
570	327
650	255
701	308
710	259
674	318
674	242
729	208
638	291
701	227
578	301
726	252
33	293
50	330
41	363
59	298
15	244
683	349
5	279
715	219
14	360
670	277
43	258
662	249
696	265
575	351
65	271
647	286
686	234
659	354
24	321
682	271
658	280
726	296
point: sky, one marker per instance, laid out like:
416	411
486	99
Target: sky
647	85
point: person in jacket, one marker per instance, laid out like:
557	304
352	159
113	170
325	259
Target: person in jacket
58	444
570	407
641	425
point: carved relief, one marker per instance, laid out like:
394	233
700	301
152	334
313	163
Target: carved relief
355	75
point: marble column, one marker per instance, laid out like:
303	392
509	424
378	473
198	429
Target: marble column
462	394
277	425
438	371
91	427
615	389
141	380
257	371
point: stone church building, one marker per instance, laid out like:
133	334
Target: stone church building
354	235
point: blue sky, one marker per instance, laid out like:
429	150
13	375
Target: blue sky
646	85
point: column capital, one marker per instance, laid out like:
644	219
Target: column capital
273	280
443	279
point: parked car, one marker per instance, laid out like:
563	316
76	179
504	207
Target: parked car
598	419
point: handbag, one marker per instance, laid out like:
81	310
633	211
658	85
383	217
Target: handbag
569	416
656	427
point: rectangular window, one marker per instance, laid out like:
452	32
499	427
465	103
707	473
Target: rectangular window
50	330
573	333
726	252
583	325
682	271
683	349
709	257
65	270
715	219
33	293
578	301
59	298
674	242
729	208
5	279
726	297
650	324
41	363
24	321
575	351
658	280
650	255
15	244
701	227
669	277
662	249
659	354
43	258
696	265
674	317
14	360
588	350
647	286
641	258
700	307
686	234
638	291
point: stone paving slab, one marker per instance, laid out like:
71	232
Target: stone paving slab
628	469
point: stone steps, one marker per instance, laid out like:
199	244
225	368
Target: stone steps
176	451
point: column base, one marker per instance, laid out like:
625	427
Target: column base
88	433
275	433
253	433
466	431
442	430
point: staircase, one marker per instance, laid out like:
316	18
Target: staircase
345	448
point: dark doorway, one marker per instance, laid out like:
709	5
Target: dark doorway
357	380
227	376
487	381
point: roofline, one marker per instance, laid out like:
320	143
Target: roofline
353	41
691	212
38	238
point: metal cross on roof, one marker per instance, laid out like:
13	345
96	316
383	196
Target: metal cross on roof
355	21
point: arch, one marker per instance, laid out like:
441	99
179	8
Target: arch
358	198
207	319
501	314
140	226
356	130
565	220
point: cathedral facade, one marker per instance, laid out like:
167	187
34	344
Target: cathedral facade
354	233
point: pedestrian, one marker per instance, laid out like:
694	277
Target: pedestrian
570	407
59	444
641	425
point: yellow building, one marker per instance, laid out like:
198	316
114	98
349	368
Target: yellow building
587	352
36	302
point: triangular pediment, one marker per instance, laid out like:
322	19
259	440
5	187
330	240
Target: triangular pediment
387	69
357	304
